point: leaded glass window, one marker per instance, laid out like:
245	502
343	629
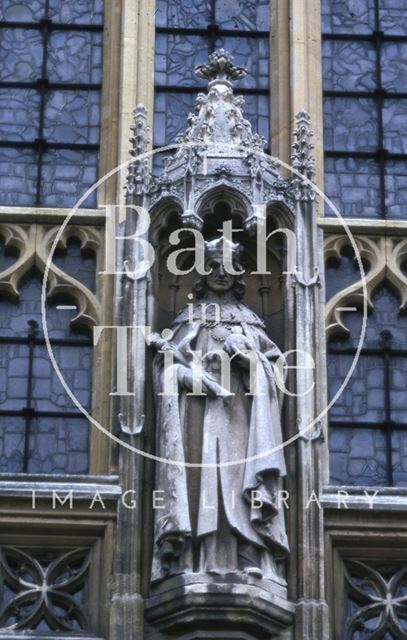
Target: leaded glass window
368	422
365	107
186	33
50	90
41	429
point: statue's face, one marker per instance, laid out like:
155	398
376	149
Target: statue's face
218	280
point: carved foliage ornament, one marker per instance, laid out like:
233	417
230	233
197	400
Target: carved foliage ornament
302	160
139	173
220	66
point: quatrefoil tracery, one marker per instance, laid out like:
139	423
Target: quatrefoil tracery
381	601
44	591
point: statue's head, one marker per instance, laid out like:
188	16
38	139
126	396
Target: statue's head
218	254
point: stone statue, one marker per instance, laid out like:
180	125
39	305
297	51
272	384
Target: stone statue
219	517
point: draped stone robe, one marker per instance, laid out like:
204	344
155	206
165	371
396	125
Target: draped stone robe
211	510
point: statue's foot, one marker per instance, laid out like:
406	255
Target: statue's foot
254	571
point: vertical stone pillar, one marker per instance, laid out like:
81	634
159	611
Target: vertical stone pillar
296	74
311	612
127	604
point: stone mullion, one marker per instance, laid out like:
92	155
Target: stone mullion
311	620
131	310
311	612
296	75
136	71
110	115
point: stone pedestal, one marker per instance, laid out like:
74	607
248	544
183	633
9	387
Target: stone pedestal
203	607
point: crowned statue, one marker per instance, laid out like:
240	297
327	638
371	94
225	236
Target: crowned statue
219	437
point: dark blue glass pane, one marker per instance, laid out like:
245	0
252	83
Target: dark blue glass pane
56	445
246	15
398	389
394	66
395	125
19	113
350	124
251	53
385	317
347	16
59	445
15	315
353	185
79	265
399	457
393	17
349	66
75	56
357	456
76	11
72	117
13	376
18	173
22	10
58	320
362	400
187	14
176	57
396	189
20	54
67	175
242	15
170	118
12	431
257	112
74	364
8	255
341	276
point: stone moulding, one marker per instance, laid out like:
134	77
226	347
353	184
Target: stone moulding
251	608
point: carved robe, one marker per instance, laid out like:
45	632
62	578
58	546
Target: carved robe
210	519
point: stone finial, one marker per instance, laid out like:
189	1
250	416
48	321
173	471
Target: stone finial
139	168
220	67
302	160
218	116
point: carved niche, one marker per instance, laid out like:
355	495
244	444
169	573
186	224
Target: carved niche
224	576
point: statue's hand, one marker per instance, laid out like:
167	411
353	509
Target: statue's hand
209	385
239	346
160	344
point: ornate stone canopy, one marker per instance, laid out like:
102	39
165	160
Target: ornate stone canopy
219	149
